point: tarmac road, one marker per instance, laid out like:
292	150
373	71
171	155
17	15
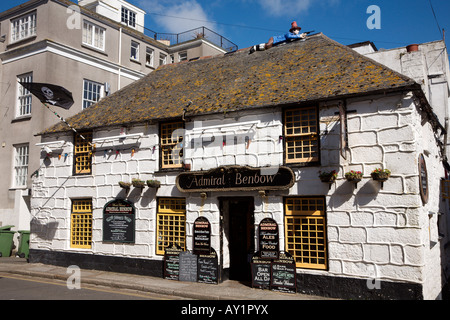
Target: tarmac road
17	287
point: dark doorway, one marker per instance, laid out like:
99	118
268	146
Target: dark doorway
240	220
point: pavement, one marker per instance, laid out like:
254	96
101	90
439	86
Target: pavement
228	290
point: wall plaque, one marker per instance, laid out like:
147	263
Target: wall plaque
423	179
202	236
236	178
268	239
119	221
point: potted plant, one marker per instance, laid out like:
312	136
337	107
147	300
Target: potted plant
125	185
354	176
137	183
328	176
153	183
380	174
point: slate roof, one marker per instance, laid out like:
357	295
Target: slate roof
312	70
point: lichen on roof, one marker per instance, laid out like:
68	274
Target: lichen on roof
311	70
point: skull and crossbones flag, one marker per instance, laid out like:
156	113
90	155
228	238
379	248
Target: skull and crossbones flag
49	93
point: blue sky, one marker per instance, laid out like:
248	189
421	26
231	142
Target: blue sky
248	22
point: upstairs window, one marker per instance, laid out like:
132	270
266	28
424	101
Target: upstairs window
182	56
171	139
162	59
83	153
149	54
134	50
24	98
93	35
21	165
128	17
92	93
23	27
301	131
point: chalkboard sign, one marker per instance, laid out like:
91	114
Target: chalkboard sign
260	272
268	239
208	268
119	221
188	267
172	262
202	236
283	276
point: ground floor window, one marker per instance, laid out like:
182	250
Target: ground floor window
305	232
171	223
81	224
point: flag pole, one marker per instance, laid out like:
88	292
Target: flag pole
72	128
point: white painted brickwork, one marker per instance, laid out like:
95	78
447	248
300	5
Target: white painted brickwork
372	233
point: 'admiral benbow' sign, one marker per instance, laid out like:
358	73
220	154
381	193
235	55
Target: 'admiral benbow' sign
236	178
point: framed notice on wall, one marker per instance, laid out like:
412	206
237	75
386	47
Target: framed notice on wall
423	179
119	222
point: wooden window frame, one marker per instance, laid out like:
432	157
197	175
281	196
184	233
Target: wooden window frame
170	220
81	224
312	135
82	149
166	144
312	253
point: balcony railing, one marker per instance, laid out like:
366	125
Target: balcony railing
198	33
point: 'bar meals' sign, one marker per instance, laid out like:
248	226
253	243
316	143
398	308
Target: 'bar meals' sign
236	178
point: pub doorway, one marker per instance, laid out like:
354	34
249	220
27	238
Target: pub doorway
237	242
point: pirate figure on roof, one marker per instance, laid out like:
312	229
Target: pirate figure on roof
292	35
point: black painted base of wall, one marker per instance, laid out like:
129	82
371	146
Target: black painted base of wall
153	268
318	285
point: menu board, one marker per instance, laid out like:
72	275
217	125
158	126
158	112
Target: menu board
172	262
268	239
260	272
188	267
202	236
283	277
119	221
208	268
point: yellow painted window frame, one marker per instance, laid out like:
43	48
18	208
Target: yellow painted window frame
168	145
301	132
170	223
305	232
83	153
81	224
445	188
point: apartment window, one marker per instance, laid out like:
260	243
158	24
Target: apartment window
301	135
93	35
162	59
23	27
134	50
83	153
81	224
149	54
24	96
128	17
305	232
92	93
171	147
171	223
21	156
182	56
172	58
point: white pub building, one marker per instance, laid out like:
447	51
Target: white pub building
208	156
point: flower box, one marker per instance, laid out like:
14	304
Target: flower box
138	183
328	177
124	185
153	183
380	174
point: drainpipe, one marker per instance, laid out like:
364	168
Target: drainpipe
120	58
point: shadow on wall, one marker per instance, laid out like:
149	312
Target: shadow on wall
44	231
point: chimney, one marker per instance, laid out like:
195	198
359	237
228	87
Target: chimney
412	48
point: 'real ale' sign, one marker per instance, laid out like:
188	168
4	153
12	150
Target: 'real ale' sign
236	178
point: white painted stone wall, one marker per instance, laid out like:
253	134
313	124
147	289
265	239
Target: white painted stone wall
372	233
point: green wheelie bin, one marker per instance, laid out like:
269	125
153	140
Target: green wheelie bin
24	244
6	240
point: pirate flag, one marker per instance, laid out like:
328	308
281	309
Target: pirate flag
49	93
